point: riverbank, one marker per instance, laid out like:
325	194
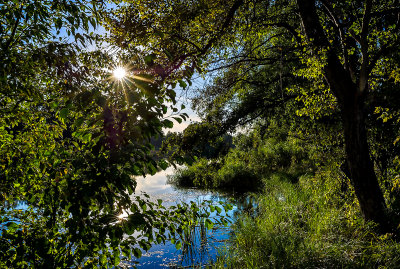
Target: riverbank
307	225
307	214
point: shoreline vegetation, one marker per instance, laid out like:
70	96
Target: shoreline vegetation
309	89
307	216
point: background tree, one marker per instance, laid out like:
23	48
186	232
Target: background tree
337	59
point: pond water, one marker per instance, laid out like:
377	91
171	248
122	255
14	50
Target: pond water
204	248
205	243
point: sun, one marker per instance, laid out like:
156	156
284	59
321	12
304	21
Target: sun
119	73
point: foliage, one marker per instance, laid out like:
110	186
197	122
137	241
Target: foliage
307	225
72	137
198	139
334	65
253	157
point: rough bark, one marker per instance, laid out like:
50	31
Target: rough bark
361	167
351	99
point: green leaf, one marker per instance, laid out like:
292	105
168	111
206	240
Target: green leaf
163	164
168	123
126	252
137	253
178	245
58	23
172	95
159	239
87	137
182	83
12	227
64	113
152	168
117	259
103	259
208	223
179	120
93	22
75	144
228	207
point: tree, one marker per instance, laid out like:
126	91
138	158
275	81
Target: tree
364	43
72	137
345	51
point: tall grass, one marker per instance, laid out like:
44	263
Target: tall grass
298	226
308	216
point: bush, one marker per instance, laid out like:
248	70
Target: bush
201	174
245	166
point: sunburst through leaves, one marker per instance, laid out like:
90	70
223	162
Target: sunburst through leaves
119	73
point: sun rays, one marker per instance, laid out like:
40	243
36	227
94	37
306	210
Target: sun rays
119	73
125	79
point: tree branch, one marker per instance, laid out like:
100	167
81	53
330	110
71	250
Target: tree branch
338	25
288	27
14	30
363	79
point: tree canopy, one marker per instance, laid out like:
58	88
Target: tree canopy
72	135
72	139
335	62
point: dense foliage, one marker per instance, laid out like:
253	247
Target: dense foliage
337	60
72	137
318	80
253	158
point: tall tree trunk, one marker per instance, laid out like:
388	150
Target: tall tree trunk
351	99
358	158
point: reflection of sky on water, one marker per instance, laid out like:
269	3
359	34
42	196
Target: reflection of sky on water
156	184
163	256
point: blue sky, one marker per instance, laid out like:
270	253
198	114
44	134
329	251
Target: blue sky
180	93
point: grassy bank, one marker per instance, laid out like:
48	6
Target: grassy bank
308	224
308	215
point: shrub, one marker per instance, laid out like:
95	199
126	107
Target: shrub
245	166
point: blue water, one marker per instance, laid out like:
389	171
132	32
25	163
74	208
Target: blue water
204	248
205	243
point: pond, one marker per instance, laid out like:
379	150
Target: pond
204	248
205	243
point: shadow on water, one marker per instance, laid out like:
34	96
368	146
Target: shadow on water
201	247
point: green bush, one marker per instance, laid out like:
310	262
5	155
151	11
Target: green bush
245	166
201	174
237	177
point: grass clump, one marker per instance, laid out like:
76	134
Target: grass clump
307	224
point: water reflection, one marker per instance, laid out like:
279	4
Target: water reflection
204	243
